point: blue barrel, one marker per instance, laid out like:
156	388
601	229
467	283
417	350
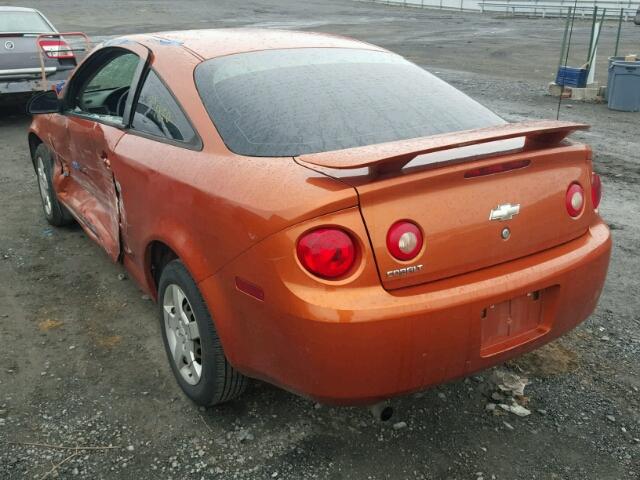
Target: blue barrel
624	86
610	70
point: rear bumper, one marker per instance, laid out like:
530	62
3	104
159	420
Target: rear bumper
31	84
358	345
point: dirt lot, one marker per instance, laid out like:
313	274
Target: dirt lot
81	358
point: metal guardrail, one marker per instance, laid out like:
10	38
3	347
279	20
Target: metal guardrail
541	8
468	5
546	8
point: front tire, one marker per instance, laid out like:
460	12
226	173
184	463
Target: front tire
191	341
55	213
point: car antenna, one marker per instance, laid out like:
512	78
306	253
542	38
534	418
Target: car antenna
566	57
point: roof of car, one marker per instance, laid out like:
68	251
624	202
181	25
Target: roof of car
16	9
227	41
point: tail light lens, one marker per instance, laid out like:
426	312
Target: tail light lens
56	49
596	189
327	252
404	240
574	200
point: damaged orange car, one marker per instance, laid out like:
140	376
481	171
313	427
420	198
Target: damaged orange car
320	213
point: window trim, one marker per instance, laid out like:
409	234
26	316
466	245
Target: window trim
79	80
46	20
195	144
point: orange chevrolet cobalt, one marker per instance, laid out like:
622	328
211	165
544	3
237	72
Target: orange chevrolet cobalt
318	212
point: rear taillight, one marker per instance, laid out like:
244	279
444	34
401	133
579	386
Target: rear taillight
404	240
574	200
327	252
56	49
596	190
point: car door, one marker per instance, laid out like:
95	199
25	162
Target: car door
97	106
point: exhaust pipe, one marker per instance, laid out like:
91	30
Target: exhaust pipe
382	411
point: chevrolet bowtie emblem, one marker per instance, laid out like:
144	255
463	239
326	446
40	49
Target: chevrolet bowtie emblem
504	212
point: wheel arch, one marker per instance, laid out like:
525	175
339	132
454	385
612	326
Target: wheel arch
34	142
159	251
157	255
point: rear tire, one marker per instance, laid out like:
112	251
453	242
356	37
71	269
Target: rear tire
55	213
192	344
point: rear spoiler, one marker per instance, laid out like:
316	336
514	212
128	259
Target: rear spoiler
391	156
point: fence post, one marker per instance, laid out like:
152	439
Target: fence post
564	38
593	26
615	53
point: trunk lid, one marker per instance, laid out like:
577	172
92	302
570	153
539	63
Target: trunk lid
21	60
453	209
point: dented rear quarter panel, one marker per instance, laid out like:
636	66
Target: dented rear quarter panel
209	207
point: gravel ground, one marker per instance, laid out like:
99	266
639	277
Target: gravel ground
82	366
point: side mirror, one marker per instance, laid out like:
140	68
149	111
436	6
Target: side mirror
637	19
44	102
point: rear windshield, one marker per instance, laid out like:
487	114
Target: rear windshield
292	102
23	22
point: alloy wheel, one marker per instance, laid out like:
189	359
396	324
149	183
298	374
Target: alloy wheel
43	183
183	335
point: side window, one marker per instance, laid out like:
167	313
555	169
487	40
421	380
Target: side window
104	93
157	113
